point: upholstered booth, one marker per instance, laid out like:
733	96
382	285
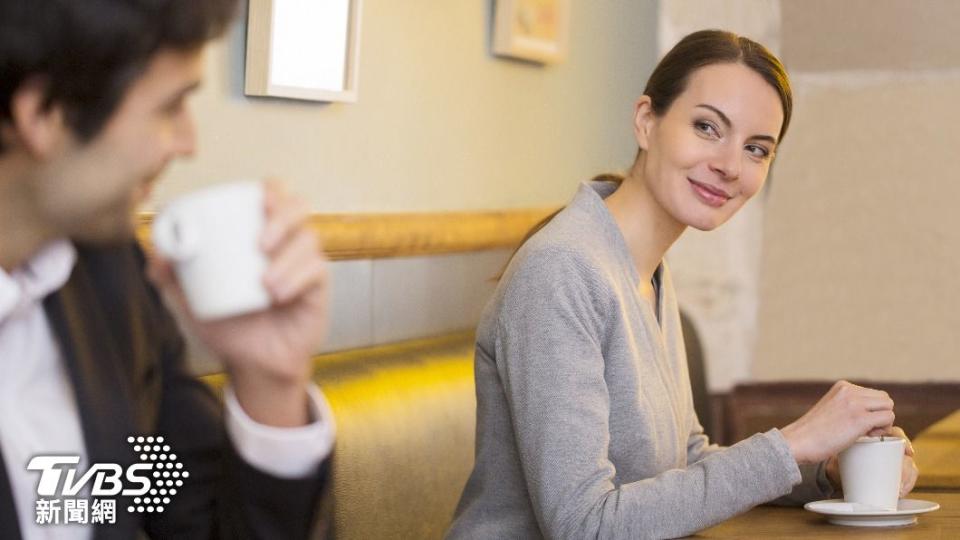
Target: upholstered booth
405	418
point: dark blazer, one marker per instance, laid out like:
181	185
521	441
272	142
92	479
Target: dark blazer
126	359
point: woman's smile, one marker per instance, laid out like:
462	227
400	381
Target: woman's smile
710	195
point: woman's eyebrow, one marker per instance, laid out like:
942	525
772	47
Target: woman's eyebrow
726	121
723	118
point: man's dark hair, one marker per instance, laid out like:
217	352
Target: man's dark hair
86	53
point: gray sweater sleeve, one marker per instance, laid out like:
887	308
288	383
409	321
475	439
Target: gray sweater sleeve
814	484
549	348
698	444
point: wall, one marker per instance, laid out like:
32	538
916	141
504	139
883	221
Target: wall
440	123
860	251
846	265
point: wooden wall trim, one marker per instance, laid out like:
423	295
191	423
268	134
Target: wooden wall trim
377	236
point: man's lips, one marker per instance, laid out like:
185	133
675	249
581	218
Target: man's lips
710	195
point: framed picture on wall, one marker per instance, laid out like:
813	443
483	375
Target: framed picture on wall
534	30
303	49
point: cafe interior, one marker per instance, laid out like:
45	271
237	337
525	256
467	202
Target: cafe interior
439	133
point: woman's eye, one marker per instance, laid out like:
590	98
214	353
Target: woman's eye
706	128
757	151
174	107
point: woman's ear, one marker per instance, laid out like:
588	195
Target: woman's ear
644	119
34	125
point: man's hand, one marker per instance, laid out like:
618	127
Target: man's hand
267	354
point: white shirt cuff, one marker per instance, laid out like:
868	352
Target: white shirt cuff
283	452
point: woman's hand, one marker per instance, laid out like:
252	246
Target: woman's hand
908	473
844	414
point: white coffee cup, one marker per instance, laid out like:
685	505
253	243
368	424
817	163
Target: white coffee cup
870	471
213	238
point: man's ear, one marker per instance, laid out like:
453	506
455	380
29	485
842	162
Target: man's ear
644	120
37	128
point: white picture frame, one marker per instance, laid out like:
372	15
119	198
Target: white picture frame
303	49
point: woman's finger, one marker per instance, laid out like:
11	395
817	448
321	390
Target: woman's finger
897	431
908	476
878	422
875	403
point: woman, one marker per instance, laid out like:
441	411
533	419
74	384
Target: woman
585	420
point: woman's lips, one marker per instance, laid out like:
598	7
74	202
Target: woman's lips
710	195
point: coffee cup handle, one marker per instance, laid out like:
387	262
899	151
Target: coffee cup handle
175	237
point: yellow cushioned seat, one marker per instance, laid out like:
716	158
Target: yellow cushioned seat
406	416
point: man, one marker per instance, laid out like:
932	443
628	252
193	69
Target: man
93	106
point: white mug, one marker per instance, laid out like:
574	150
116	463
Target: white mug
870	471
212	236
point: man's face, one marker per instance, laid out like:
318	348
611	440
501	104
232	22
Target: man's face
90	191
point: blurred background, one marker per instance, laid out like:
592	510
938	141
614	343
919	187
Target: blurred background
845	267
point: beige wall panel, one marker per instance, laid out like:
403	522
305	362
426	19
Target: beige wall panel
757	19
820	35
440	123
861	255
716	272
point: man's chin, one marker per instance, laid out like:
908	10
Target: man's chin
108	231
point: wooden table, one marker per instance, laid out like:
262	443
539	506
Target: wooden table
949	427
938	455
796	523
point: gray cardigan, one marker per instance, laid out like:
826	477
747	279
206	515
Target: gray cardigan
585	420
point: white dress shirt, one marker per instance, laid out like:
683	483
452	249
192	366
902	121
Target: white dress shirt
38	410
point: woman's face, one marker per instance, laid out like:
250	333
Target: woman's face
711	151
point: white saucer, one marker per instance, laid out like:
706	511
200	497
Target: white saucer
858	515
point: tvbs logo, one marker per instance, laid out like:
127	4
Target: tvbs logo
152	481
